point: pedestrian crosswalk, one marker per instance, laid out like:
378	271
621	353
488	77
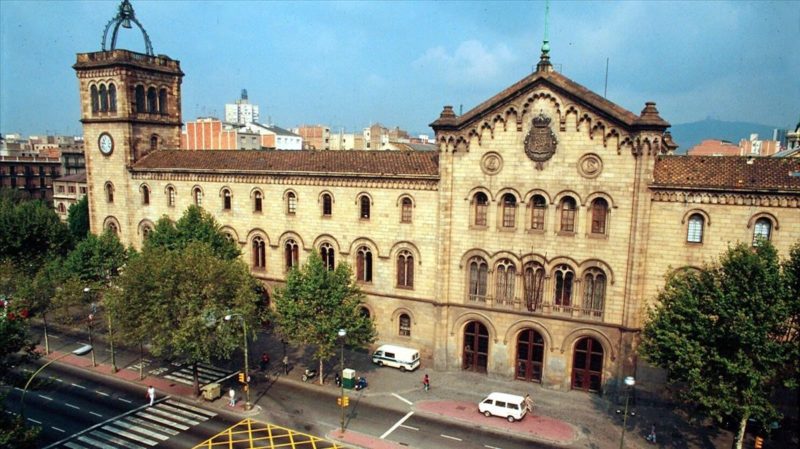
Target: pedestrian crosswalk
206	373
142	429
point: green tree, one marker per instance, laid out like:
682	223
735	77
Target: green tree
32	233
78	219
316	303
175	300
96	259
14	433
38	292
721	334
196	225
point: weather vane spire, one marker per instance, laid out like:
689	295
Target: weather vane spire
124	17
544	60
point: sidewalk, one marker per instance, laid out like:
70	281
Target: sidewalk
561	418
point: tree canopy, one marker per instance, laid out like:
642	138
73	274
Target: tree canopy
196	225
32	233
176	300
316	303
78	219
724	334
96	258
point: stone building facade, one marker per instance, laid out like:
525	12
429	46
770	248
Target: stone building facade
528	246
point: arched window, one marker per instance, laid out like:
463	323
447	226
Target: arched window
111	226
291	253
257	202
481	203
146	230
162	101
291	203
112	97
154	142
762	230
95	99
594	293
568	208
103	98
478	271
405	213
152	100
509	210
171	196
109	192
405	325
599	216
226	199
61	209
364	264
364	209
327	205
564	276
259	254
140	101
694	232
405	269
587	365
505	274
327	253
145	195
364	312
538	211
197	194
534	286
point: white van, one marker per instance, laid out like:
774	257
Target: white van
406	359
508	406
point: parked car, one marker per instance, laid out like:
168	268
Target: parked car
508	406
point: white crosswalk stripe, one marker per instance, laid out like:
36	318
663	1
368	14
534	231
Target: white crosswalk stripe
144	429
205	373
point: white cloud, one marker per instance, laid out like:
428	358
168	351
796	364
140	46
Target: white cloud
471	63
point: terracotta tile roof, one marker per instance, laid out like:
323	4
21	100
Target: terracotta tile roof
559	82
728	173
374	163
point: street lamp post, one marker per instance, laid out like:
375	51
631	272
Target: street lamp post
629	382
247	405
342	334
90	320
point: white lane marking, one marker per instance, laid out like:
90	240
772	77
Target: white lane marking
409	427
96	414
491	447
124	400
72	445
448	436
33	420
59	380
192	408
396	425
19	389
56	428
178	411
402	399
73	406
169	415
152	417
147	432
79	386
100	392
57	337
10	412
45	397
132	436
152	425
95	443
113	439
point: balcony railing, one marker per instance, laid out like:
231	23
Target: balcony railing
546	308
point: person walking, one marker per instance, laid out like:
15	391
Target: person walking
264	361
232	396
652	436
286	364
426	382
529	403
151	394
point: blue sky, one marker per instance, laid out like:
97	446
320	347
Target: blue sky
350	64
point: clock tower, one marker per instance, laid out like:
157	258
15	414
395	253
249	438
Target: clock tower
130	106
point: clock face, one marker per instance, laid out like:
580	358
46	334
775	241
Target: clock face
106	144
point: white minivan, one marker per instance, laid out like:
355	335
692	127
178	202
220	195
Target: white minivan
508	406
406	359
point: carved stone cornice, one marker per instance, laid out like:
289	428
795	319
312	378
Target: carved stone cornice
321	181
772	199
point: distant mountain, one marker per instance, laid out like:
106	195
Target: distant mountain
688	135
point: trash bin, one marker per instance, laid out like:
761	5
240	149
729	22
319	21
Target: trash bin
211	391
349	378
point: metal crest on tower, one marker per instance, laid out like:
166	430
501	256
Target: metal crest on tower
124	17
541	142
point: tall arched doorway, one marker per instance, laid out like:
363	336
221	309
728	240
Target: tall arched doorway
530	356
587	365
476	347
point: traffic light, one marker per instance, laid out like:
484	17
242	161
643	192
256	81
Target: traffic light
346	400
759	443
241	378
343	401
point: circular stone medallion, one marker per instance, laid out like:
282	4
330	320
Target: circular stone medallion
492	163
590	166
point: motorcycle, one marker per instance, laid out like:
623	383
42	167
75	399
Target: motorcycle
361	383
338	380
309	374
